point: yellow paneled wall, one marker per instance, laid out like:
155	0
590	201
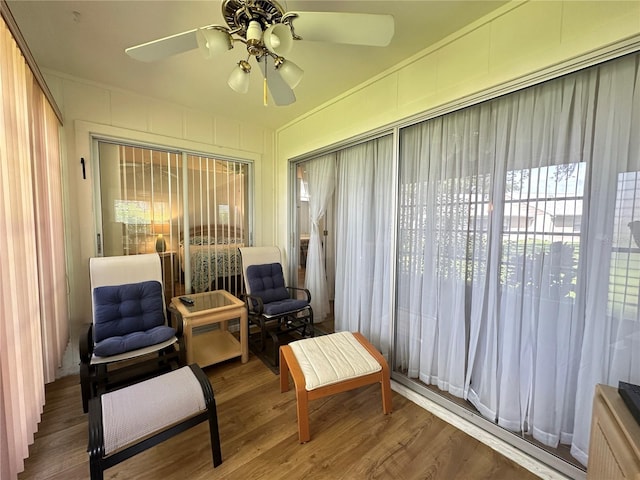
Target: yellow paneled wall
517	41
89	108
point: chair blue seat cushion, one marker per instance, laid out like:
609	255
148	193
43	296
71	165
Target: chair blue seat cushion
284	306
128	317
133	341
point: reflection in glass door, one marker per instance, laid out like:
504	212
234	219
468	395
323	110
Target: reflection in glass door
141	205
318	278
180	206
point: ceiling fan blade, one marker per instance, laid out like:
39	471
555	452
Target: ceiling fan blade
280	92
164	47
352	28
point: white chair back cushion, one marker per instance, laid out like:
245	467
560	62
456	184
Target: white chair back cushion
124	269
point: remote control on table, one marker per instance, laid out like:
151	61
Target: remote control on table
187	301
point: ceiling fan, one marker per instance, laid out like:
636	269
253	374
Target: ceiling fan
268	33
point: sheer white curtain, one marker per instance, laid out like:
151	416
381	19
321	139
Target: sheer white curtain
524	324
363	240
321	181
611	348
518	277
443	191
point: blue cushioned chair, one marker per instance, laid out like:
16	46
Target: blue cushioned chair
129	338
276	309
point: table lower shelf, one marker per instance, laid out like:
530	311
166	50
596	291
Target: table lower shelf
214	346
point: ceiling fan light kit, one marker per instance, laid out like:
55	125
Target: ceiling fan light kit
268	34
278	39
213	41
239	78
289	71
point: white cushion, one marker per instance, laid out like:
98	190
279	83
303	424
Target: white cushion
333	358
144	408
120	270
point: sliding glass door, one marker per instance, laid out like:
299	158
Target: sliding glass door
517	264
216	223
344	211
516	257
140	195
190	209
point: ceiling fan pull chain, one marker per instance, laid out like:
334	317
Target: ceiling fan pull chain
264	90
264	79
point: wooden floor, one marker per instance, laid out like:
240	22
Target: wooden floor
350	438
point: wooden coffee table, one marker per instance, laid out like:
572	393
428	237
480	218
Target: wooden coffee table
214	345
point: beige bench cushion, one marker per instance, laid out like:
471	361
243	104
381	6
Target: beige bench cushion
139	410
333	358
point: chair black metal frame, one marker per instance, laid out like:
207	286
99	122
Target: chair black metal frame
99	375
98	461
297	321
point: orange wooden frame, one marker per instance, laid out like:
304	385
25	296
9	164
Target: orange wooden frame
289	364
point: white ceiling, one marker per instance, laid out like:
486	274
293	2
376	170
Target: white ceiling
90	44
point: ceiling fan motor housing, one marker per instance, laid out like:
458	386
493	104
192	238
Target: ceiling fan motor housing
239	13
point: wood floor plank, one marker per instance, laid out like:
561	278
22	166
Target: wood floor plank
350	438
